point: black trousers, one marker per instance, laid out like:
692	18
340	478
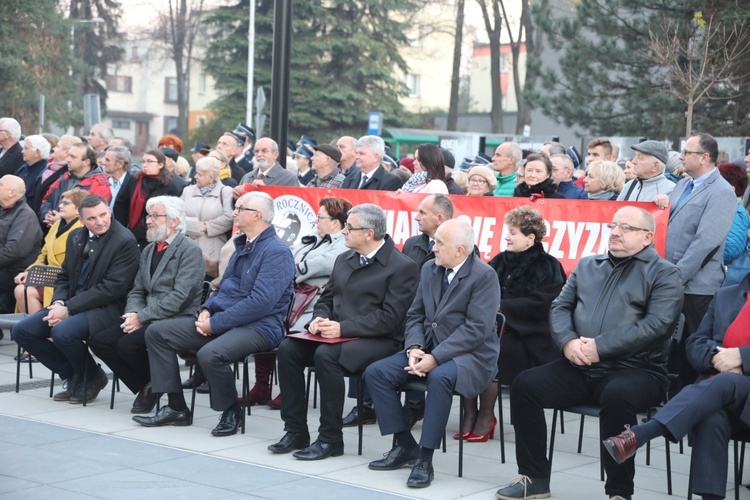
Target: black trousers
621	395
694	308
124	353
294	356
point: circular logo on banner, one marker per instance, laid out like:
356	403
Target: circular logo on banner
294	218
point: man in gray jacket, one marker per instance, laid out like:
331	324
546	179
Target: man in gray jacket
648	166
702	208
612	322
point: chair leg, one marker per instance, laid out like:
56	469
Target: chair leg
51	385
245	390
669	467
18	373
562	422
115	382
315	391
736	471
360	410
552	437
192	403
500	425
85	383
580	434
461	437
307	388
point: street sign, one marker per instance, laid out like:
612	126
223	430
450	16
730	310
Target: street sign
375	123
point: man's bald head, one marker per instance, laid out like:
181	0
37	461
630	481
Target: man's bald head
12	189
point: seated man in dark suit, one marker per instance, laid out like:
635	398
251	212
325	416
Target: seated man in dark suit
450	339
244	315
371	175
168	284
101	261
370	289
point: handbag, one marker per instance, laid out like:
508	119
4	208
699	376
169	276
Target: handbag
304	294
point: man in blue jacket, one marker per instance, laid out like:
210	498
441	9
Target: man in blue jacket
245	315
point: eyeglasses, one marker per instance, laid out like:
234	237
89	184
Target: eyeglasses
477	180
146	162
685	152
626	228
154	216
65	202
350	228
321	217
245	209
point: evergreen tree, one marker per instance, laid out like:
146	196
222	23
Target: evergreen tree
35	59
344	62
607	85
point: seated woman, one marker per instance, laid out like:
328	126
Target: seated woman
429	171
208	209
53	252
482	181
530	279
604	180
713	408
314	257
153	180
537	178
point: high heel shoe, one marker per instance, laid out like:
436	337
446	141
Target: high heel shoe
456	436
482	438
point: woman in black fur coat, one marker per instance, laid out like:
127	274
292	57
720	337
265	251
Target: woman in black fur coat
530	279
537	180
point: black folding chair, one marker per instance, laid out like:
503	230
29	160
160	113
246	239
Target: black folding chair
38	275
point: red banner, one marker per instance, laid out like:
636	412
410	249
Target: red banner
575	228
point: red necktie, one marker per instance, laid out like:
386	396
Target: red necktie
161	246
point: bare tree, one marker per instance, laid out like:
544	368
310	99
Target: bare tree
701	61
178	30
455	74
534	47
494	24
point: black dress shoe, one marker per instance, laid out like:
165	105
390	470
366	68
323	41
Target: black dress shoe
145	401
229	422
290	442
368	414
203	388
320	450
421	475
396	458
165	416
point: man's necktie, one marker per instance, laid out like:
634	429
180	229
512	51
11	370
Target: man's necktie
430	246
363	261
444	285
688	190
363	181
161	246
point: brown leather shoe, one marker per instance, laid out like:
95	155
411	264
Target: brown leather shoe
622	446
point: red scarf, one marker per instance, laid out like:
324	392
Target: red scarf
738	333
138	201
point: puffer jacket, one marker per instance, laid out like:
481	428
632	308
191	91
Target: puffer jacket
737	238
630	308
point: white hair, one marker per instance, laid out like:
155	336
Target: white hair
39	143
12	126
374	143
174	207
267	210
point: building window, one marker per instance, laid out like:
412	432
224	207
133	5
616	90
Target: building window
170	124
202	83
412	83
200	121
118	83
123	124
170	89
416	34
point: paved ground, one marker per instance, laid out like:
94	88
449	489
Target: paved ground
57	450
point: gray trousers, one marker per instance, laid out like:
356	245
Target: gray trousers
216	355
